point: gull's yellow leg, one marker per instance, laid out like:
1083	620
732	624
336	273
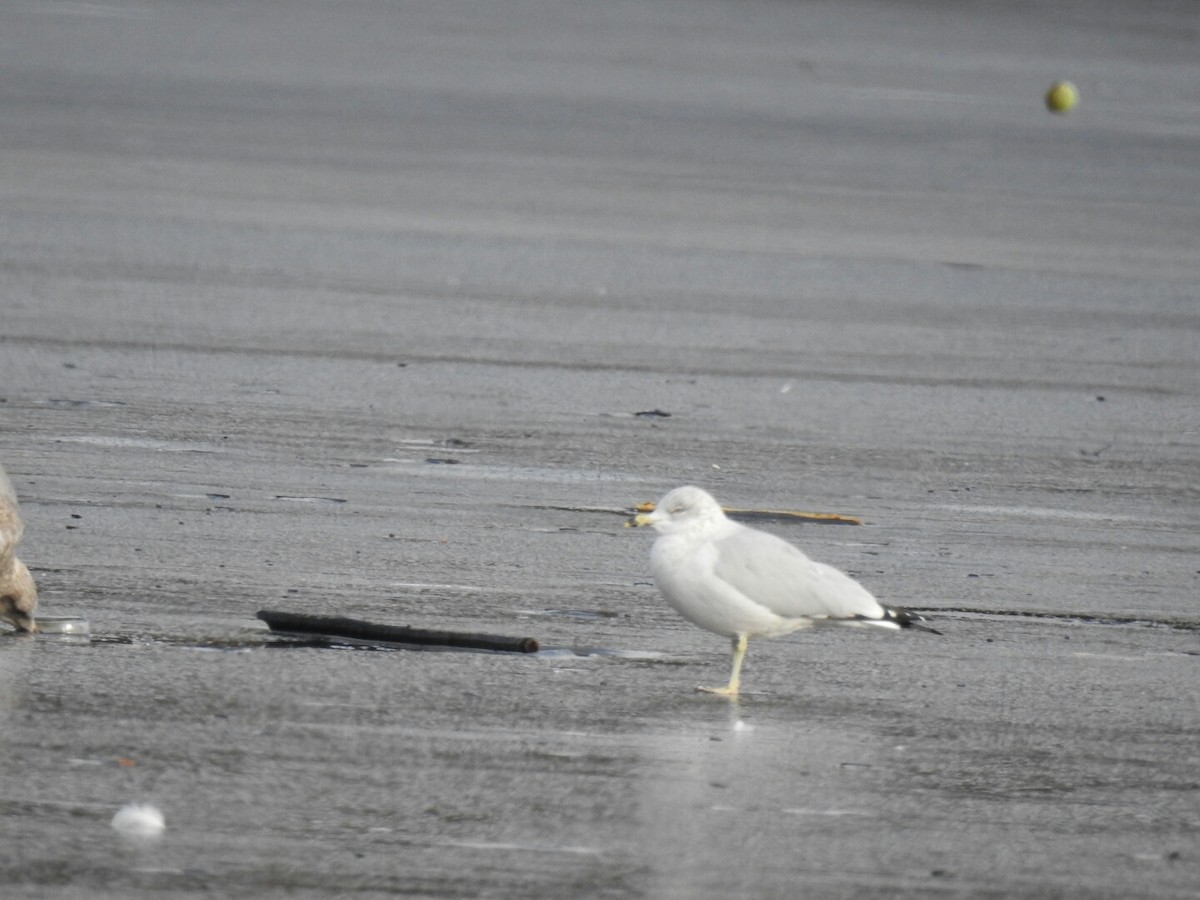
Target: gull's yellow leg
735	676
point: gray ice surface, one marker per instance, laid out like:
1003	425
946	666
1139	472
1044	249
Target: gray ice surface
348	309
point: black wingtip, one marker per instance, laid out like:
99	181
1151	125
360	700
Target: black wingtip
906	619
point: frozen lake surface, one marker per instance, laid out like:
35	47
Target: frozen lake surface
352	310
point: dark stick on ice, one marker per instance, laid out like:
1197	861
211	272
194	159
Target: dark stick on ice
338	626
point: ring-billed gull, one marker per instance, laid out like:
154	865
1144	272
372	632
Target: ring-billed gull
742	583
18	594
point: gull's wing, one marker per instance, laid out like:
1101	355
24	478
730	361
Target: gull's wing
774	574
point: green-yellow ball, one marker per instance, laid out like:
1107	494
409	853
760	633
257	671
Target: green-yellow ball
1062	97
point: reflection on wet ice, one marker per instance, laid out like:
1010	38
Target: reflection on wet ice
720	808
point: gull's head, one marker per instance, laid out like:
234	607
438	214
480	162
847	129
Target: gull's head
683	508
